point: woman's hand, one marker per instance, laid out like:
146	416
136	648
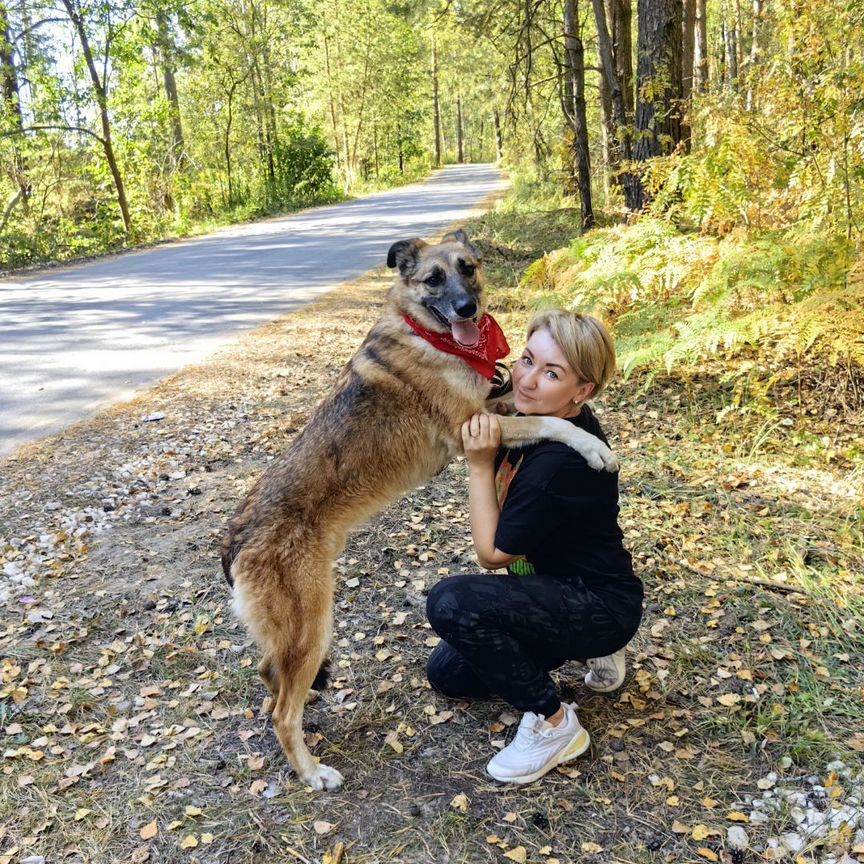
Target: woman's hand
481	438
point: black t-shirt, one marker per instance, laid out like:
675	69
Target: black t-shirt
562	515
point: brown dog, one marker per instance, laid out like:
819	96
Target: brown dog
392	422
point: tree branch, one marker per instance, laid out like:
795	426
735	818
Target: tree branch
43	127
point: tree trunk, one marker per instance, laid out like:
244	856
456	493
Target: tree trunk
102	102
10	101
658	80
688	45
436	107
499	141
620	17
755	50
700	53
622	118
688	38
332	102
730	49
611	157
228	144
459	132
166	52
574	77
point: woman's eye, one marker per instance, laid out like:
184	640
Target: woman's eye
552	375
526	361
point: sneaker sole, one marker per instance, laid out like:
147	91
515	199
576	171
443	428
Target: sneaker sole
599	688
580	743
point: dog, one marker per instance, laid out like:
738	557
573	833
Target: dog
391	422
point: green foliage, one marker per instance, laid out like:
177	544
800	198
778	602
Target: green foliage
678	299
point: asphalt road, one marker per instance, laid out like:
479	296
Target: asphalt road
76	339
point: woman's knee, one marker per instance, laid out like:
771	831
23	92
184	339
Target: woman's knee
442	605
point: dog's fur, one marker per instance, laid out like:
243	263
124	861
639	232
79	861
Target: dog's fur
392	422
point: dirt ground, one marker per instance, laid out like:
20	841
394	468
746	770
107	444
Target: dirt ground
135	727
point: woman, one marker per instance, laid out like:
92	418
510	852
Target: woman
551	520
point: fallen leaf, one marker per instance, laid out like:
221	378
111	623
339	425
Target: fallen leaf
517	854
729	699
700	832
190	810
392	739
680	827
707	853
255	763
321	827
737	816
590	848
149	831
510	817
460	802
257	787
190	841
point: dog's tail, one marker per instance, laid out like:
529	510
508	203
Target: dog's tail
230	550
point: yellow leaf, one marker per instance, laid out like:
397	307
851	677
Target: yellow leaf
710	803
190	841
707	853
729	699
737	816
460	802
672	801
590	848
680	827
700	832
510	817
81	813
193	811
392	738
207	839
149	831
518	854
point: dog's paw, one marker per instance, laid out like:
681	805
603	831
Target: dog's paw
324	778
312	696
600	457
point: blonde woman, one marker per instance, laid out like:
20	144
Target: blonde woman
570	591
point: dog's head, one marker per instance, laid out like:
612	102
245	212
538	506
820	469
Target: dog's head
439	286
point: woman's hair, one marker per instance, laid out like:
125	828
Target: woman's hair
586	344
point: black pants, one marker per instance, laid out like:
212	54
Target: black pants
502	634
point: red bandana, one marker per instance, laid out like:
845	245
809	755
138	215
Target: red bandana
481	357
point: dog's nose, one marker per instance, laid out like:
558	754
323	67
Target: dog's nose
467	309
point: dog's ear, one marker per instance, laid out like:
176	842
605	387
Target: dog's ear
403	254
460	236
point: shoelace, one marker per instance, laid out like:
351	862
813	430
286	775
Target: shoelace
529	730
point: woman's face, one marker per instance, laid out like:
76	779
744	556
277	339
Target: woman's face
544	383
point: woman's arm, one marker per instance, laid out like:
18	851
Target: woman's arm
481	438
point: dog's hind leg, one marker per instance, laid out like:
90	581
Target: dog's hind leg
296	674
268	675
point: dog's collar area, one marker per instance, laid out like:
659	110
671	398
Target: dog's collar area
481	357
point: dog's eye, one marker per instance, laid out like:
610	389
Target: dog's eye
466	268
436	277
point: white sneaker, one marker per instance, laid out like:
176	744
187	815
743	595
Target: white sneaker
606	673
539	747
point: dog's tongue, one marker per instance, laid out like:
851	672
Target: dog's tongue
466	333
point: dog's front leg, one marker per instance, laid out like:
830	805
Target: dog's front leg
516	431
